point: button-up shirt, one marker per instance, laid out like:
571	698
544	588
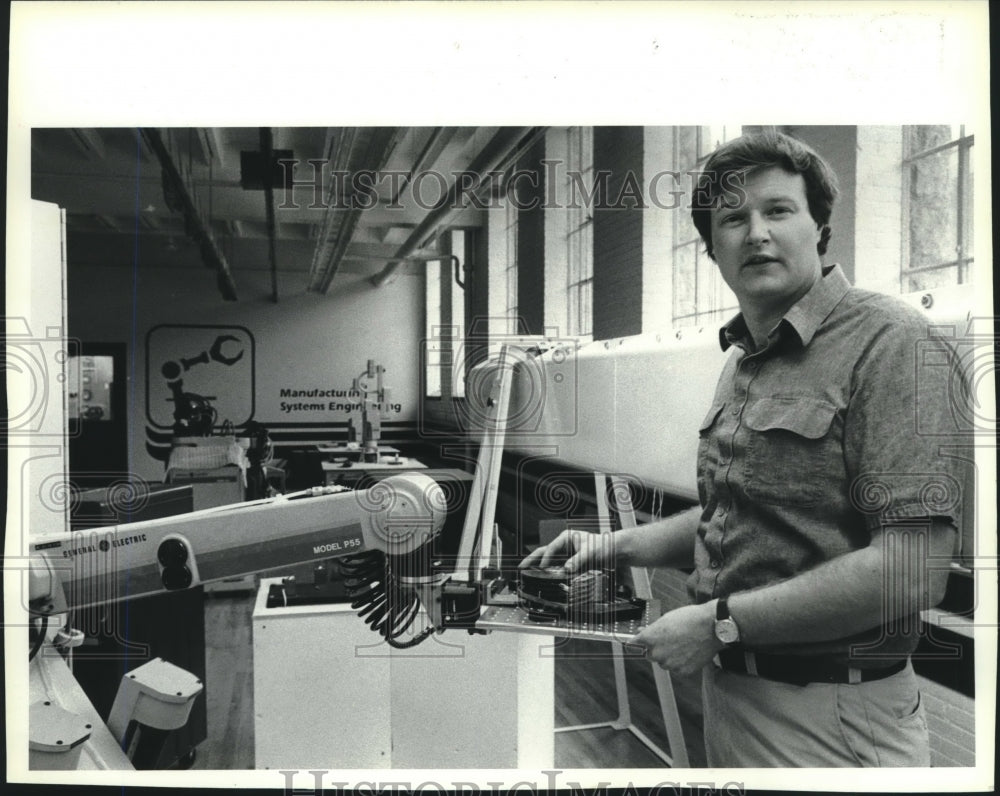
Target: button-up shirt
817	445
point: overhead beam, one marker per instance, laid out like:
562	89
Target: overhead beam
382	231
439	138
210	145
199	226
89	141
267	151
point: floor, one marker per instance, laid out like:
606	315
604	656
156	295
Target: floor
584	693
229	684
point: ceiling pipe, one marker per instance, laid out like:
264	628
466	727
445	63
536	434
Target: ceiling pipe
420	258
267	151
199	228
328	256
507	142
336	153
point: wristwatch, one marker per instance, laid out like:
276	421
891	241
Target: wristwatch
726	629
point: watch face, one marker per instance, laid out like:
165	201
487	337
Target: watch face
726	631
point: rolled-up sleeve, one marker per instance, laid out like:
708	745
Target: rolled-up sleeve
903	427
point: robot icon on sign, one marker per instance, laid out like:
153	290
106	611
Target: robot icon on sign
204	372
194	414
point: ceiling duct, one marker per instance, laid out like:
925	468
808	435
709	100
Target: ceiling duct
196	226
370	147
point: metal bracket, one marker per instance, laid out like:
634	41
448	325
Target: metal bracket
661	677
478	529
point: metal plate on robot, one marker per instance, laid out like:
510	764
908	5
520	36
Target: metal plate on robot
514	618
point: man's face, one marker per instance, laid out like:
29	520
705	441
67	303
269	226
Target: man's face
766	248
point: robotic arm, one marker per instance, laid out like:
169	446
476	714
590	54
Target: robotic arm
398	517
384	536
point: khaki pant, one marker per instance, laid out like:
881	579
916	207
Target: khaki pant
751	722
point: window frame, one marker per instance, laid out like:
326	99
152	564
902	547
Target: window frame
964	232
720	309
433	330
579	236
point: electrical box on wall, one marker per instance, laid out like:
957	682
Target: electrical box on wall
88	388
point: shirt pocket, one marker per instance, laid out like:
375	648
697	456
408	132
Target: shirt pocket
792	455
707	451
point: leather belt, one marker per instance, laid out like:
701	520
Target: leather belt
801	670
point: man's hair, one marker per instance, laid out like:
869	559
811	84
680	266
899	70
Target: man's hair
753	152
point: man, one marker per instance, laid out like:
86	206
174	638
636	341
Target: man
809	549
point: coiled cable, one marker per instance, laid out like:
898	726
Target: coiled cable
387	606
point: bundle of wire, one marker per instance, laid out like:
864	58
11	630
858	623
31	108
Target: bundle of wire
386	605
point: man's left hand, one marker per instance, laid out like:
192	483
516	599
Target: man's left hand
683	640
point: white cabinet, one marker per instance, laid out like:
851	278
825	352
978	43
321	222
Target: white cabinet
329	694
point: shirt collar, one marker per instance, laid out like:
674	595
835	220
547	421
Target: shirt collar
805	316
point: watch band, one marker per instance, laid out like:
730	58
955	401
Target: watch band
726	629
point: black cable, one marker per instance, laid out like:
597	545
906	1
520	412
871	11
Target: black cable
386	606
37	645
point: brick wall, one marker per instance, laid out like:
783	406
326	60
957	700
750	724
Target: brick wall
879	198
838	146
951	722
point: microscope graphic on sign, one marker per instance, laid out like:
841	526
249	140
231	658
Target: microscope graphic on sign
194	414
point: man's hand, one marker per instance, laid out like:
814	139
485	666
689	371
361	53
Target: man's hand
579	551
683	640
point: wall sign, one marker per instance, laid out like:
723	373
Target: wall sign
295	401
213	362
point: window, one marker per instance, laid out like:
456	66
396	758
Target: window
699	293
433	330
937	207
579	233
